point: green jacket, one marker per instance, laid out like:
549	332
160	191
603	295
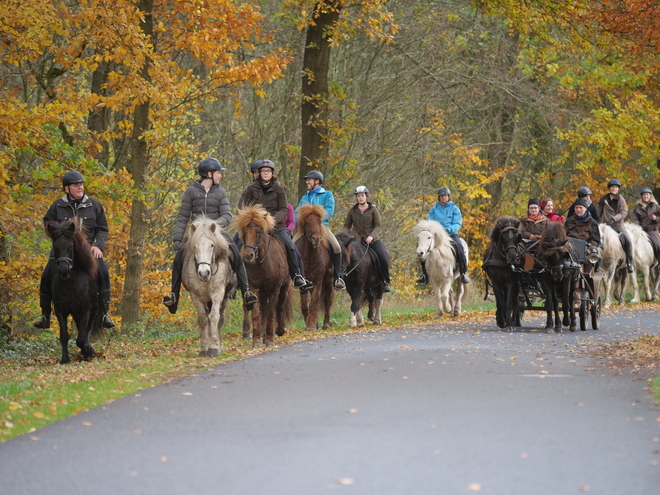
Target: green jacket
364	223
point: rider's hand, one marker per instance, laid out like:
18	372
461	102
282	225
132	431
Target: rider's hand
369	239
176	246
97	253
610	222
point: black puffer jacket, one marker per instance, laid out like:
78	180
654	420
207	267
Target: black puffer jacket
272	198
196	201
89	211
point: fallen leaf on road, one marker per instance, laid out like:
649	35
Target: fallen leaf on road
86	423
345	481
352	411
187	393
585	488
474	487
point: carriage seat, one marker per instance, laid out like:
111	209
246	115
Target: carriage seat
583	250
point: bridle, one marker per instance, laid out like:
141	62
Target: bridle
431	245
310	234
210	264
256	248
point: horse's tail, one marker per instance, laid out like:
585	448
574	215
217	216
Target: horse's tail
97	323
287	307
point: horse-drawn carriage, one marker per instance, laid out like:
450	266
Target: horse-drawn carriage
536	276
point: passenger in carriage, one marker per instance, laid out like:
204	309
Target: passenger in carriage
585	193
646	214
548	209
447	214
364	219
533	223
613	209
581	225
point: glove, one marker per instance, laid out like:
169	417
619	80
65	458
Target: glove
176	246
610	221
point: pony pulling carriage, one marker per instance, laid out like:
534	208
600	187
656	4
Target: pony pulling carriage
560	269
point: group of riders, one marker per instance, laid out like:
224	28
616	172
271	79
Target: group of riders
584	216
205	196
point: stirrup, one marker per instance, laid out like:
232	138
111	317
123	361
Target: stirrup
465	279
107	321
340	284
249	298
386	287
42	323
422	280
169	299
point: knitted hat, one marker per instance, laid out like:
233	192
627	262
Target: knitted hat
533	201
581	202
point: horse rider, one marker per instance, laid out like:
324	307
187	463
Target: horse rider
364	219
270	193
585	193
447	214
206	197
613	209
646	214
581	225
317	195
88	211
534	222
548	209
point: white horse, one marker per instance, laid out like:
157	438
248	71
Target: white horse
614	265
208	276
435	249
645	262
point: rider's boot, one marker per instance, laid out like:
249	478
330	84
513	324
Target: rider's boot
107	321
336	263
44	321
172	301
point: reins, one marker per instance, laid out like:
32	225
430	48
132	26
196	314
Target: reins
358	263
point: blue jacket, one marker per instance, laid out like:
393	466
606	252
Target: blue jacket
319	196
448	215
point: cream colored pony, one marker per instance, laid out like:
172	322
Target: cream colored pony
614	265
645	262
435	249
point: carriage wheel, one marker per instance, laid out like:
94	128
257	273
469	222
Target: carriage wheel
584	311
595	314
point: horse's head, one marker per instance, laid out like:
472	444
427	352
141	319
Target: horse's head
310	220
506	235
253	222
208	246
553	249
425	244
63	235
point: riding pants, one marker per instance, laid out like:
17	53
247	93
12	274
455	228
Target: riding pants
381	252
626	242
461	259
292	253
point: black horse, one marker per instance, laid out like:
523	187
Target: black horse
501	260
363	280
74	286
559	272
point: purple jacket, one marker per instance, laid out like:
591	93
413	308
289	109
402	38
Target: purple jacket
290	219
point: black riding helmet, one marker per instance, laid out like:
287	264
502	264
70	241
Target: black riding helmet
614	182
646	190
444	191
315	174
209	165
266	164
72	177
584	191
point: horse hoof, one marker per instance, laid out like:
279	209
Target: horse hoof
257	344
202	354
213	353
558	329
247	337
549	329
378	322
311	329
325	327
270	344
573	328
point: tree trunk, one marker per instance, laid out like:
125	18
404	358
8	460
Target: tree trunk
99	117
316	63
137	166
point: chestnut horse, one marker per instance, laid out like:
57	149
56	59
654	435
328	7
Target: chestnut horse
313	247
268	273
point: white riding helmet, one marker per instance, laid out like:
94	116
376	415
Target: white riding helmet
361	189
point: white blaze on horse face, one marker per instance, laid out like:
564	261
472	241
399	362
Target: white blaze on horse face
425	244
204	251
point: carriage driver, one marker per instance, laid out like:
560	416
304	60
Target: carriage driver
364	219
447	214
206	197
585	193
270	193
646	214
613	209
318	195
75	203
581	225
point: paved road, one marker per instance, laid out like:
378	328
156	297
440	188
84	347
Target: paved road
442	409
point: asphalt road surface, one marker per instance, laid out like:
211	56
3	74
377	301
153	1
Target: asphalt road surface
452	408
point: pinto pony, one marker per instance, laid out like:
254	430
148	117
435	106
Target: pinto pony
208	276
268	273
74	287
559	276
313	247
500	258
434	247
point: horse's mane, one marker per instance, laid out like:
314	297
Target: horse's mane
501	224
254	215
305	211
612	248
440	235
83	257
552	238
203	225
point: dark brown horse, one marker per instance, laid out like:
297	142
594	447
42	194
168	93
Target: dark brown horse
74	286
268	274
313	247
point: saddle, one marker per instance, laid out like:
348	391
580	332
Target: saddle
373	255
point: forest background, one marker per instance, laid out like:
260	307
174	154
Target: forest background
498	100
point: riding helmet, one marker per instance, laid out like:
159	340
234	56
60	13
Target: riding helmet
444	191
254	167
266	164
72	177
614	182
584	191
361	189
315	174
646	190
209	165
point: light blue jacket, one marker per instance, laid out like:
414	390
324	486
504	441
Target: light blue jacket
319	196
447	215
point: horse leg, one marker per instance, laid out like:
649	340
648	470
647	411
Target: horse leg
620	281
635	284
258	316
313	322
304	308
646	271
64	337
555	304
202	325
607	280
84	326
214	324
378	304
355	293
328	296
548	307
247	330
280	312
458	299
269	338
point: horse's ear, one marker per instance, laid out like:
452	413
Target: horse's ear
193	227
49	227
563	242
212	227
